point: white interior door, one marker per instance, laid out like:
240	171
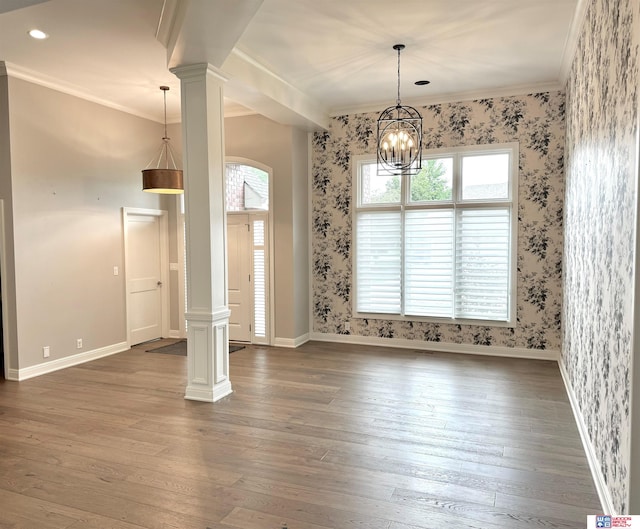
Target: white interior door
239	266
144	271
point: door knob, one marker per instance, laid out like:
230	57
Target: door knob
159	283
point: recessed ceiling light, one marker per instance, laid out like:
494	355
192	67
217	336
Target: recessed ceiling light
422	83
38	34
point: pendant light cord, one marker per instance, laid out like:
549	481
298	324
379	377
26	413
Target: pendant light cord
398	100
166	151
165	108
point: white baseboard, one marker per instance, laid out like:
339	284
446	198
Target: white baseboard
596	472
441	347
68	361
291	342
174	334
12	374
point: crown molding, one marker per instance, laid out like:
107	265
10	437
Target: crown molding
236	110
455	97
571	44
255	86
34	77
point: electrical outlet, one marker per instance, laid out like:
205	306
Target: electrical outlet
79	343
46	351
347	326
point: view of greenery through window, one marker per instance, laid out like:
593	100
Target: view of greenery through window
429	184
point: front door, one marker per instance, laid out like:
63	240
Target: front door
239	265
144	277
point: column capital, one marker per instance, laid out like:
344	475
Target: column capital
198	71
222	314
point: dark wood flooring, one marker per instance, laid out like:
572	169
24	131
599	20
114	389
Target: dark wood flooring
323	436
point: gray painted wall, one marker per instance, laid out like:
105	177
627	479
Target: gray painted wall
282	148
300	164
74	164
10	329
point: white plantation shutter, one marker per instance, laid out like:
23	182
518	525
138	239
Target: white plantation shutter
379	262
428	264
482	263
259	280
449	252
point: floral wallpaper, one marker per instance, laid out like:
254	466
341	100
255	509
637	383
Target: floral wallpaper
536	121
600	206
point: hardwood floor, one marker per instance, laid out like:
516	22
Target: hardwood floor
324	436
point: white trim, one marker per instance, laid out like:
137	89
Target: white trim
455	203
69	361
291	342
604	494
174	334
310	226
441	347
162	216
633	489
31	76
504	91
270	246
5	304
571	43
182	282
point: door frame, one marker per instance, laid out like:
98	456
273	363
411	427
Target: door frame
271	328
164	264
271	305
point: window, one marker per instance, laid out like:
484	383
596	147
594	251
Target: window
440	244
246	187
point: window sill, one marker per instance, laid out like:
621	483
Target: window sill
431	319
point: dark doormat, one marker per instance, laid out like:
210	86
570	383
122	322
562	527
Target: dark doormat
180	348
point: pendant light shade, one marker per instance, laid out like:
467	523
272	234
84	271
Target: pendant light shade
399	136
167	180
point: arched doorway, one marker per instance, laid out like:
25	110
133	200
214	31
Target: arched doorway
249	241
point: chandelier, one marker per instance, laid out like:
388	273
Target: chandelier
165	180
399	136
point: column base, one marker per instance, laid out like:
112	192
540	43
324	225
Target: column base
208	356
220	391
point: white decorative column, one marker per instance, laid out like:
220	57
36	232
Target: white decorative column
206	241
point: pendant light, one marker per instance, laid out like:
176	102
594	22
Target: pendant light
399	136
163	180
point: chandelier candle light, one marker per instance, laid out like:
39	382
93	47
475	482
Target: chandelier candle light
399	136
168	180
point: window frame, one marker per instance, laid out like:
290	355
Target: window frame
456	203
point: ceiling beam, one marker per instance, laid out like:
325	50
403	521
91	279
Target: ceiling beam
258	88
203	31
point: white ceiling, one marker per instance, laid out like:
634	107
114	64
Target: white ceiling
297	61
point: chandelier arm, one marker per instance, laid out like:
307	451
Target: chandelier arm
149	164
162	150
173	161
